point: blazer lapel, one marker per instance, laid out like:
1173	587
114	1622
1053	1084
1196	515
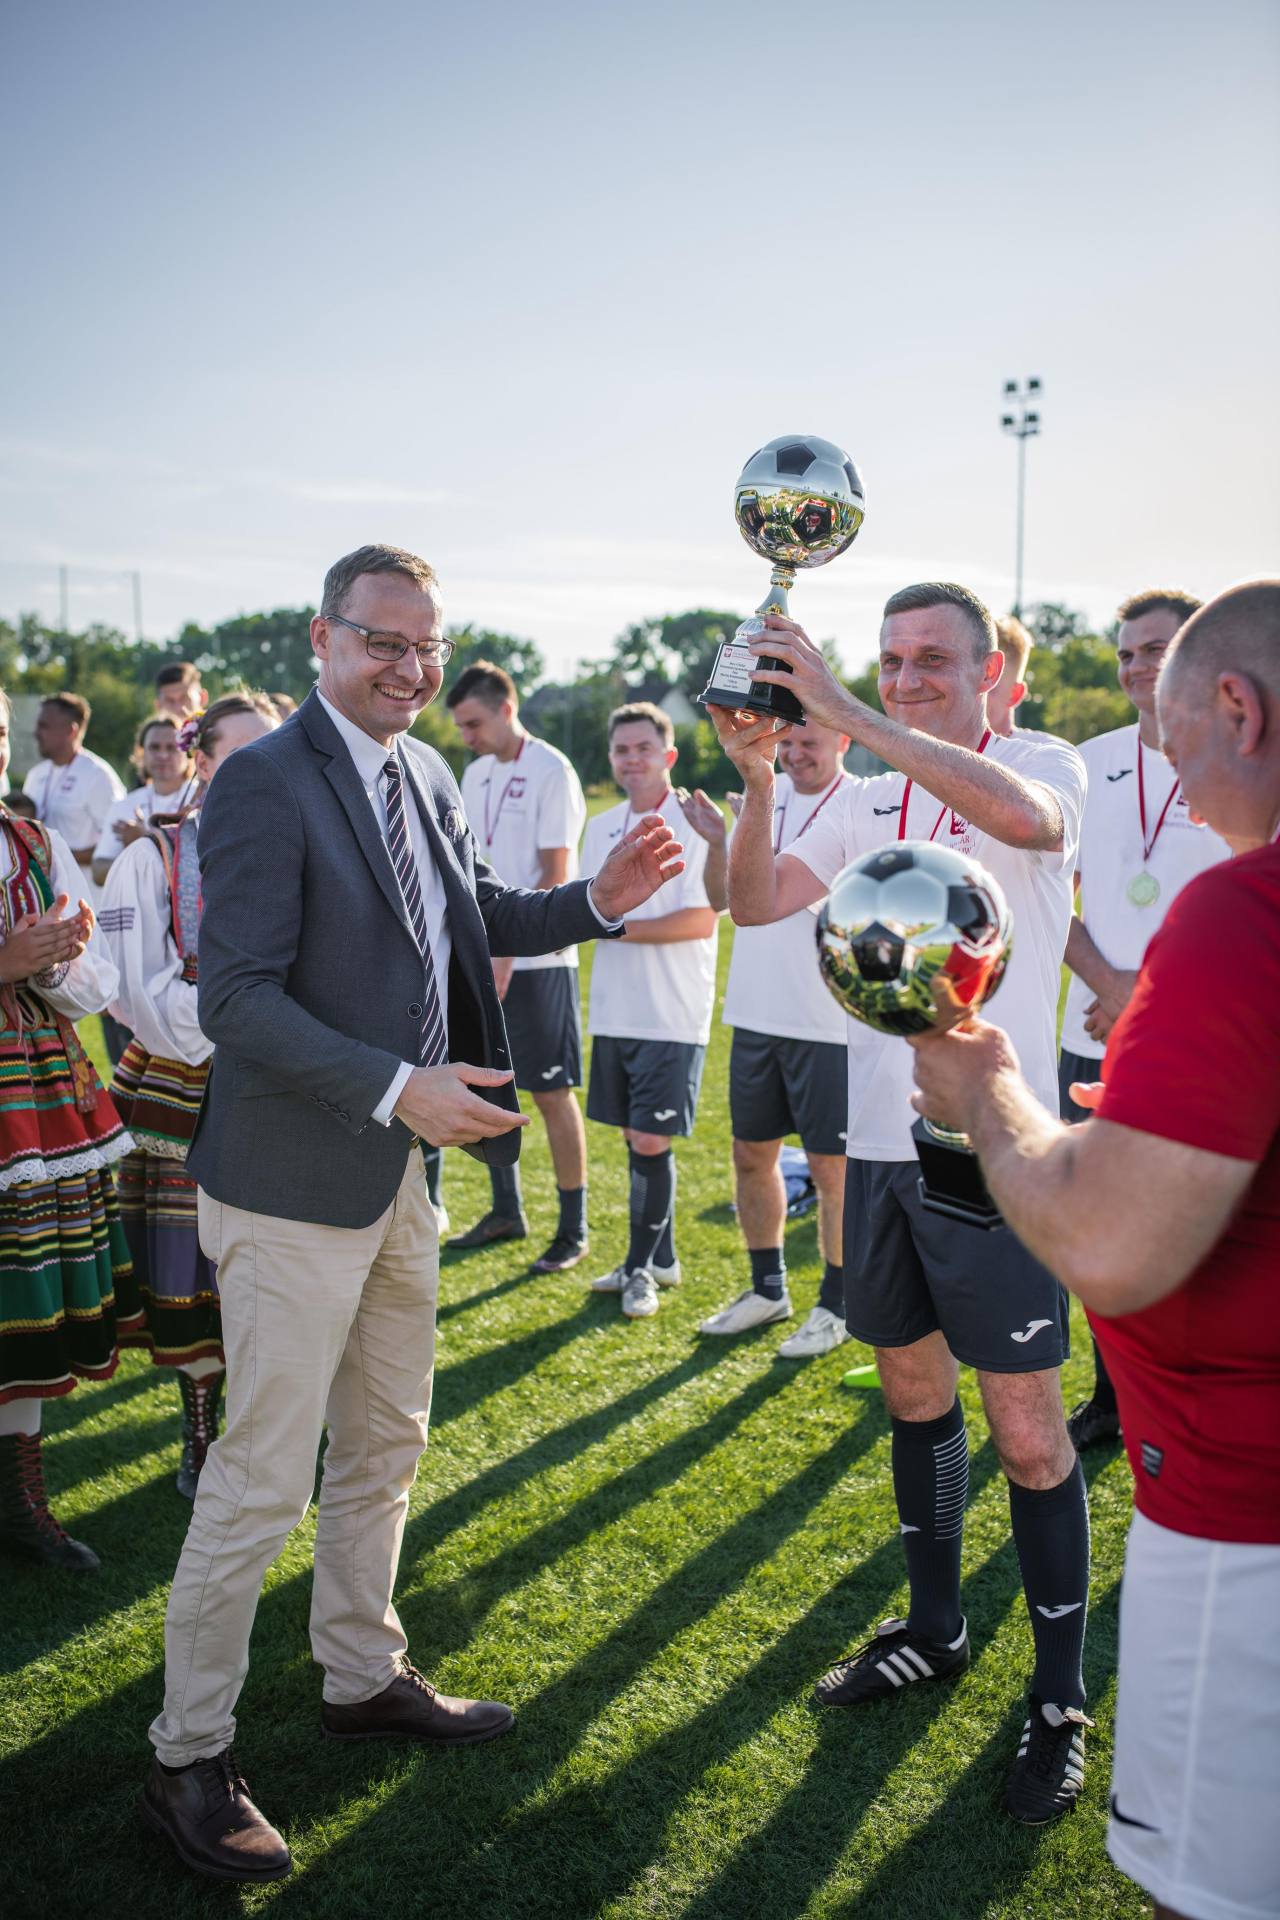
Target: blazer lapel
341	774
447	863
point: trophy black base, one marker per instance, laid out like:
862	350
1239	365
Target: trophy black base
731	685
951	1181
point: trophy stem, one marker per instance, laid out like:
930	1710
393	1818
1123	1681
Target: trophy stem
775	601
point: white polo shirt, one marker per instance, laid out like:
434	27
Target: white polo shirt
143	800
517	809
1038	887
774	986
661	992
74	800
1111	857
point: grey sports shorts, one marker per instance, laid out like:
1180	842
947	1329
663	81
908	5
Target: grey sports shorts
651	1086
909	1272
779	1086
544	1027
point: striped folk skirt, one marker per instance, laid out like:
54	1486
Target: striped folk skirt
172	1298
63	1252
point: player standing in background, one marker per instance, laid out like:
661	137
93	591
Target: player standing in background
1010	690
1139	846
73	789
788	1067
651	999
524	804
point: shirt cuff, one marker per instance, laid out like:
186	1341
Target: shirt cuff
610	926
387	1105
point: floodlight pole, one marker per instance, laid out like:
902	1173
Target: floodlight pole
1022	424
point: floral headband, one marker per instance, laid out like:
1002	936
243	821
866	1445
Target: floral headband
189	733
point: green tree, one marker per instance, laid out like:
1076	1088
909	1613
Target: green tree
522	659
677	649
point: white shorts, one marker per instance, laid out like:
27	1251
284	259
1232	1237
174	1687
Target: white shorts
1195	1791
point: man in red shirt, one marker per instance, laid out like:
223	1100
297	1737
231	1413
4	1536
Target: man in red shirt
1181	1289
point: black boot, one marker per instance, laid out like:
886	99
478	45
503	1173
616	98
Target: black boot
26	1524
200	1400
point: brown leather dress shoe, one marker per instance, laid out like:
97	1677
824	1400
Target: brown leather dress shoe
206	1811
410	1708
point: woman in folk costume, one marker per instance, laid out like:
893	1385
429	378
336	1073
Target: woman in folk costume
63	1253
151	920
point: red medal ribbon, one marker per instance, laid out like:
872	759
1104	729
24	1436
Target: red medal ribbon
777	842
489	831
1148	845
906	799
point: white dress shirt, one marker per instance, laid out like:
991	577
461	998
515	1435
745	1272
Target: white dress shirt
370	757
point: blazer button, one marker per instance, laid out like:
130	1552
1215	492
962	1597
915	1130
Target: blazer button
414	1012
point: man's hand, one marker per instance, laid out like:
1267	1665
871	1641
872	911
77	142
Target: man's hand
643	860
810	679
735	803
1101	1014
703	815
127	831
1087	1093
750	742
437	1104
502	972
955	1072
40	941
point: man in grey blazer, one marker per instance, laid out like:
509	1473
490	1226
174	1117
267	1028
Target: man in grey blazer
346	981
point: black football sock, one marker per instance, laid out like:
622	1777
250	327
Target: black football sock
431	1160
653	1187
768	1271
573	1213
931	1486
508	1201
831	1292
1051	1534
1104	1394
664	1254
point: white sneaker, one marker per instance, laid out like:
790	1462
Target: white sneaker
640	1295
611	1282
820	1332
750	1309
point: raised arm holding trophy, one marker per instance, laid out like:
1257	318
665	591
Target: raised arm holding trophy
928	1292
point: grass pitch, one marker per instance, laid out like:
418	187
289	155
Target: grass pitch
651	1545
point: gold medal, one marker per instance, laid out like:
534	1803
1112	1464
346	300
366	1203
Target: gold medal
1144	889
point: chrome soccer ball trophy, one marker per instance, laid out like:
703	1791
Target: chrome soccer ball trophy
798	503
911	937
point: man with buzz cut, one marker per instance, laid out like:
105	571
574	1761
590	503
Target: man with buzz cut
788	1070
524	803
930	1294
650	1019
1010	690
1140	844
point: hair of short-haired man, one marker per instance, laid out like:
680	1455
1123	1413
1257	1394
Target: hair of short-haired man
204	736
1015	643
482	680
284	704
643	710
1238	631
22	804
73	705
177	673
1159	600
946	593
344	573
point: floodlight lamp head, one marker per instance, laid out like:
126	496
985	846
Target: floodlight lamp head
1033	422
1011	386
1033	384
1006	421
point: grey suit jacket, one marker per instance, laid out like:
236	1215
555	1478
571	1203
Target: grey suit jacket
311	981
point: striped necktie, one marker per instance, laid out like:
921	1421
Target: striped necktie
433	1043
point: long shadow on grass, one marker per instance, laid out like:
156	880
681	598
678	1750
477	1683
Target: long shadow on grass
461	1385
92	1397
450	1309
515	1852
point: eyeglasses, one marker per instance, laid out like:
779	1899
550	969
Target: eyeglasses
394	646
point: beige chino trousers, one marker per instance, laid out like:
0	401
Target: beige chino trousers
323	1326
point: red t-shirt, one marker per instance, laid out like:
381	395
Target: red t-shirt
1195	1057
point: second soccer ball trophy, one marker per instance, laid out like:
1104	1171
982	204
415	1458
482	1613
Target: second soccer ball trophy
798	503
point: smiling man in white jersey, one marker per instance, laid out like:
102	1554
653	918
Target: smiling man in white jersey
928	1293
1140	844
524	803
788	1071
650	1018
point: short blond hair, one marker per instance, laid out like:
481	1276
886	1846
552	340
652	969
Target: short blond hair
1159	600
1015	643
643	710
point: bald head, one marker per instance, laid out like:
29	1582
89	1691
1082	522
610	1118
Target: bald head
1238	632
1218	702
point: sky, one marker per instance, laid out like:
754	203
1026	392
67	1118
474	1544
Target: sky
522	288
